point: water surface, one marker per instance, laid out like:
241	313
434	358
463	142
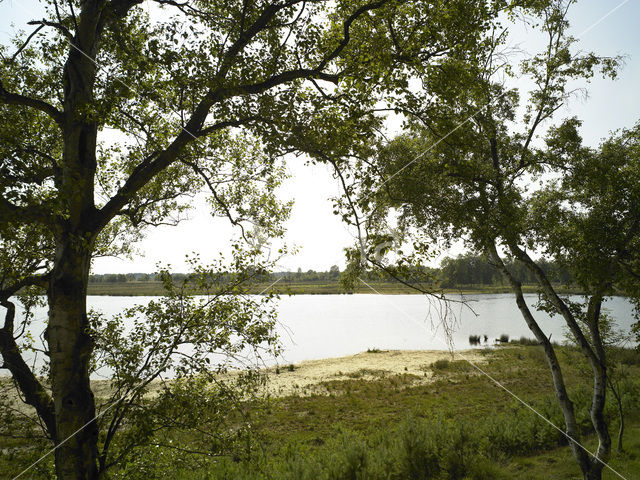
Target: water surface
322	326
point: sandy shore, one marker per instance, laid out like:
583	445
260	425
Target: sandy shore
306	377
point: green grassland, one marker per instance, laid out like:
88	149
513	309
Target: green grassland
376	425
460	426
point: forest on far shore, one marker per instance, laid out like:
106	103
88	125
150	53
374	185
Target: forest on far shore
462	271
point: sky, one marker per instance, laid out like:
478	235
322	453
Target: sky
602	26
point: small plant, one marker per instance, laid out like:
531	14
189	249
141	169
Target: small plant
474	339
504	338
525	341
277	370
291	367
442	364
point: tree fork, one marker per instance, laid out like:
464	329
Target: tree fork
568	412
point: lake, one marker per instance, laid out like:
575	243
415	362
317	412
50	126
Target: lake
322	326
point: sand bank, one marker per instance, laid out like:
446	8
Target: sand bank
306	377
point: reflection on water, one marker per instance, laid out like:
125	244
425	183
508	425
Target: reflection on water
323	326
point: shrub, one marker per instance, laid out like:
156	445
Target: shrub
525	341
627	356
419	456
351	461
442	364
504	338
460	452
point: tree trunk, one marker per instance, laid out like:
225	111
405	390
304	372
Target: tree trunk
566	405
68	334
594	472
71	346
600	379
594	352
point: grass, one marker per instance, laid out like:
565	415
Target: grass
365	408
557	464
371	424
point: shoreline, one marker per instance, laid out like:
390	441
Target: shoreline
136	289
308	377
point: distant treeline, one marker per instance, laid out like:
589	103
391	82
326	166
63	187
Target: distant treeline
464	270
310	276
476	270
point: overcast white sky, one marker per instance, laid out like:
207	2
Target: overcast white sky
321	236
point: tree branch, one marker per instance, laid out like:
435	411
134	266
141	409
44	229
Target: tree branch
30	280
26	42
32	213
229	123
57	26
33	391
142	175
9	98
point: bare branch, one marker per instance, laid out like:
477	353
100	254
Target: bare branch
65	31
26	42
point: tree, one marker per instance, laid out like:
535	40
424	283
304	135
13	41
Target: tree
464	173
613	341
334	272
210	95
166	361
193	339
466	270
72	193
596	202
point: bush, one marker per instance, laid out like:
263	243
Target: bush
417	449
442	364
419	456
504	338
352	459
525	341
627	356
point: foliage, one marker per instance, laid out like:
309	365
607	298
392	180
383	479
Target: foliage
172	365
468	169
442	364
525	341
116	115
416	448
